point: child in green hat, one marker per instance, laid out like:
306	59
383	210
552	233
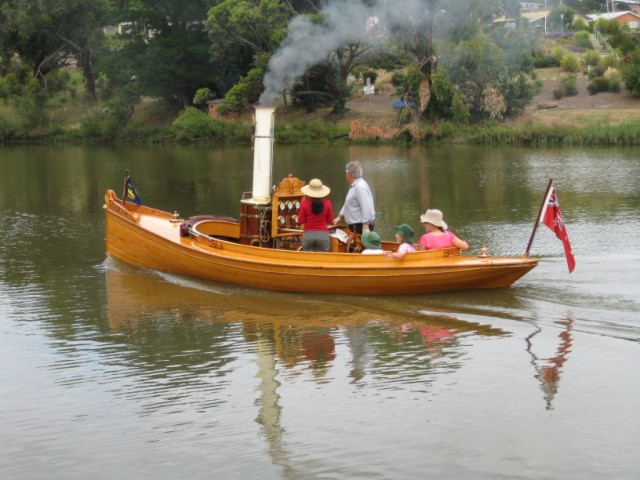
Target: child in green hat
404	236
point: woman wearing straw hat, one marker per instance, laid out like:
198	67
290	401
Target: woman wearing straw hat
316	213
437	235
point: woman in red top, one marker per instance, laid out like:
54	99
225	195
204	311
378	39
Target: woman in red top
316	212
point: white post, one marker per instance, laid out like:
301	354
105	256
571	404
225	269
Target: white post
263	154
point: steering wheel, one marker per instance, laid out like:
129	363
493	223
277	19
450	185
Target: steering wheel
354	245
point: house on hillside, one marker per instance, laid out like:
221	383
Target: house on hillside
531	19
630	19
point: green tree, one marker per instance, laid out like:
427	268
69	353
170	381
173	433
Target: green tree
48	33
243	34
418	39
631	72
164	53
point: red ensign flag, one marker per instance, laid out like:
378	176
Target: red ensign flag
552	217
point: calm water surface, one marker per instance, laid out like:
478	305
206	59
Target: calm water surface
108	371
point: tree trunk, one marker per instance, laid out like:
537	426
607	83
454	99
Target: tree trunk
87	70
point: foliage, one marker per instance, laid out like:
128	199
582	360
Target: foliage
545	61
570	63
10	86
607	26
631	72
443	93
372	75
615	83
623	41
460	110
203	96
9	126
581	39
537	135
598	84
610	61
193	124
568	85
243	93
558	53
579	25
100	127
493	103
592	58
517	93
308	132
243	35
597	71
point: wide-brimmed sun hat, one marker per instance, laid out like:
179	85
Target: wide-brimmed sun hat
434	217
406	232
316	189
370	240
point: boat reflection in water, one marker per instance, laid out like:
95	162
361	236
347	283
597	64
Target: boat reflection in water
299	328
287	335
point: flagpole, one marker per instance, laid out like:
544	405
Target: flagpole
535	225
126	181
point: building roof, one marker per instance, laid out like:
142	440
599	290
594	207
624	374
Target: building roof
610	15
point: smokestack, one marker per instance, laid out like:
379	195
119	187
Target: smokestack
263	154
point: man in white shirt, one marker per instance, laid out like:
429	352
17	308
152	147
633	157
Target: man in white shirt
358	211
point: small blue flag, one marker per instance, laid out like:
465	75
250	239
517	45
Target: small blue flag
132	193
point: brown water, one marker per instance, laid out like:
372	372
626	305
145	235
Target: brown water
108	371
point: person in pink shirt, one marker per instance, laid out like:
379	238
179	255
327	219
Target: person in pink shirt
437	235
316	213
404	236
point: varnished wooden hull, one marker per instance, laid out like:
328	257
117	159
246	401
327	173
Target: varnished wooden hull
148	238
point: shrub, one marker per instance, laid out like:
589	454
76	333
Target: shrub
598	84
570	63
610	61
596	71
615	84
579	25
371	74
607	26
592	58
100	126
558	54
615	79
460	110
243	93
193	124
493	103
568	86
631	73
9	126
558	93
581	39
544	61
202	96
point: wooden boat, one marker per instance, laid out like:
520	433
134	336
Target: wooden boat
262	249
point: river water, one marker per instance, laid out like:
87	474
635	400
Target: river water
109	371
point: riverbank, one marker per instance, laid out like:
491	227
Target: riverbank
582	119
